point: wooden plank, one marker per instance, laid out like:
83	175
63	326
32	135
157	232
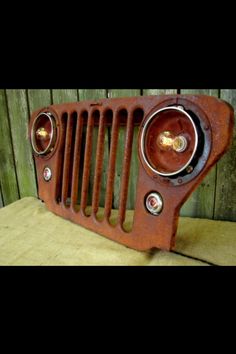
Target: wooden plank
8	178
159	92
19	119
90	94
225	202
120	155
1	201
62	96
201	203
38	99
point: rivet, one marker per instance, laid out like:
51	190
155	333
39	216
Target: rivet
189	169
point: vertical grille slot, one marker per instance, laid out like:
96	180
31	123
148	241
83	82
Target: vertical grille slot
95	138
99	163
82	151
61	161
126	168
77	159
111	166
68	158
87	161
138	115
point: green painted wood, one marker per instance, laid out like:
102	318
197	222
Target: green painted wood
120	156
1	201
19	120
90	94
62	96
38	99
201	203
159	92
8	178
225	201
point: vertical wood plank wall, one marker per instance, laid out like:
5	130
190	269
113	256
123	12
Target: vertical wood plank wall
201	202
215	198
8	178
225	196
18	113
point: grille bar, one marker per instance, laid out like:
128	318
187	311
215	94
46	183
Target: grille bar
59	167
111	166
76	161
67	158
87	162
126	168
98	165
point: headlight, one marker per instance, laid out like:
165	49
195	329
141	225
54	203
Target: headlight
43	134
169	141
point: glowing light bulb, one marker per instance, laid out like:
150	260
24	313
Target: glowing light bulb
42	134
168	141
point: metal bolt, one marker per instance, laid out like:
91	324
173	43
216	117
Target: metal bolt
189	169
154	203
47	174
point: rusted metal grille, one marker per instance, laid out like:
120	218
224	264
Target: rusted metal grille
75	169
73	187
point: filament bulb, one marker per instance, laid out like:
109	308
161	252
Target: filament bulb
42	134
168	141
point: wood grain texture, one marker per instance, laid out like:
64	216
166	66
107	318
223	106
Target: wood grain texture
63	95
90	94
19	118
225	201
8	178
38	99
148	92
201	203
120	155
